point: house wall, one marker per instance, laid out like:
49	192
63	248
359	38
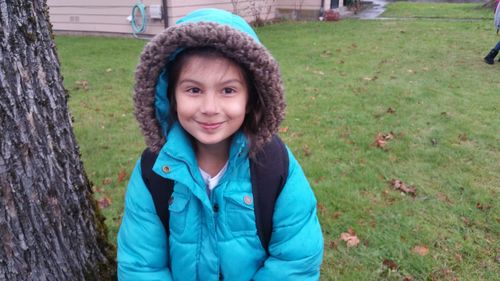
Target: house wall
110	16
302	9
95	16
248	9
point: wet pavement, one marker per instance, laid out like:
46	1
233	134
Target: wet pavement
372	11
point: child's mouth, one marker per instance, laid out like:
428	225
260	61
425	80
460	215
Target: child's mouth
210	126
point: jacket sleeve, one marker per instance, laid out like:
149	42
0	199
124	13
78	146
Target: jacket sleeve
296	246
142	242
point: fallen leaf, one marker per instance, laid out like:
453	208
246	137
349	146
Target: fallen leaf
370	78
350	238
326	54
463	137
392	265
382	139
482	207
443	197
421	250
408	278
337	214
400	185
82	85
104	202
109	70
391	110
318	72
107	181
307	150
121	175
321	208
283	130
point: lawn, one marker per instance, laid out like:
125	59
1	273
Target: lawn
420	83
460	11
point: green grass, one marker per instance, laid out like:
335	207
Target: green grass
437	10
340	80
104	123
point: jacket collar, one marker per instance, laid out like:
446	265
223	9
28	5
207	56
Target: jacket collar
179	158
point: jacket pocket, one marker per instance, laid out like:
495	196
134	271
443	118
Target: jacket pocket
240	216
178	212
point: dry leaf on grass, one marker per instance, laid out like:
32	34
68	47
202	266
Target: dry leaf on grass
443	198
107	181
321	208
392	265
382	139
370	78
401	186
104	202
391	110
319	72
333	244
421	250
463	137
283	130
337	214
482	207
82	85
307	150
122	175
350	238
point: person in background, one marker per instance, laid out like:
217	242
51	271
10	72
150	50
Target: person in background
490	57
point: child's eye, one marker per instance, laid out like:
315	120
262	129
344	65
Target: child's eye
194	90
228	91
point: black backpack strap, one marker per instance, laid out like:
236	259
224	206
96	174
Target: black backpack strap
269	172
160	188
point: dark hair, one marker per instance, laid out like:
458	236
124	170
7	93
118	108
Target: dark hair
254	114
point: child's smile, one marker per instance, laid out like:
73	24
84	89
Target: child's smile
211	96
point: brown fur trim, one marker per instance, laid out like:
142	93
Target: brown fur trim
234	44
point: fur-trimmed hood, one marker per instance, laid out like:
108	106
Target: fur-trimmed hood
227	33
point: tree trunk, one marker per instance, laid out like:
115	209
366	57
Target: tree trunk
50	226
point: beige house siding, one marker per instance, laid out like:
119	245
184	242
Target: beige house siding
262	8
110	16
106	16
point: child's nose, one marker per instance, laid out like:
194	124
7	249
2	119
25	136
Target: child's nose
210	103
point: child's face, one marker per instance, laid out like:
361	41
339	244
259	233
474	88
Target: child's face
211	96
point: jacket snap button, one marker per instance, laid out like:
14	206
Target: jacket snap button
247	199
216	208
166	169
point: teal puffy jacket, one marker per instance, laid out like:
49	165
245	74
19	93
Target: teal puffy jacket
211	238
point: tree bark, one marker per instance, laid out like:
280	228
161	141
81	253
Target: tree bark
50	226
